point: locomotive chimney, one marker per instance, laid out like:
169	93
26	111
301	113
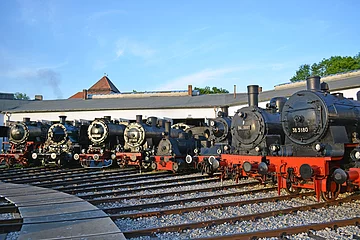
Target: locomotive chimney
225	110
62	119
138	118
313	83
153	121
26	119
253	95
168	127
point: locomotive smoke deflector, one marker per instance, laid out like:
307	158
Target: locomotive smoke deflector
313	83
253	95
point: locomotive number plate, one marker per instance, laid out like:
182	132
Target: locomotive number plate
244	127
300	130
96	135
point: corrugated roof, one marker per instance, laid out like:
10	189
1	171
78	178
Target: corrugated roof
202	101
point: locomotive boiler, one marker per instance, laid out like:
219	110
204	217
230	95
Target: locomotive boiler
61	144
24	138
106	136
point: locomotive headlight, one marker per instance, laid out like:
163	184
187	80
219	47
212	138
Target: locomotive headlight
218	151
196	150
355	154
319	147
34	156
274	148
53	156
212	123
96	157
83	151
226	147
258	149
76	157
101	151
188	159
113	156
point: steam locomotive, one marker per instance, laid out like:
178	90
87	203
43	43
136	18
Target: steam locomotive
217	142
254	131
321	149
61	144
24	138
140	142
106	136
174	151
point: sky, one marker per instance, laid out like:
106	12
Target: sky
56	48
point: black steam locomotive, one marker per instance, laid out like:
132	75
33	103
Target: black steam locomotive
255	129
24	138
317	123
106	137
63	141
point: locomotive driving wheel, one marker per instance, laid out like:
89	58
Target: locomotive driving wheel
332	190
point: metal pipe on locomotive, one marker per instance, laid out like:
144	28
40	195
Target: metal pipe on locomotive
24	138
106	137
321	149
61	144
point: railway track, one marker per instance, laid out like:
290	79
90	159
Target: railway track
168	206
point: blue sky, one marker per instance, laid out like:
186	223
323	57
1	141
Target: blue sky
57	48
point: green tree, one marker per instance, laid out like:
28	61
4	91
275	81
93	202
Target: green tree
213	90
301	74
332	65
21	96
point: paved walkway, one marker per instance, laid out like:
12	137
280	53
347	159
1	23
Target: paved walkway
50	214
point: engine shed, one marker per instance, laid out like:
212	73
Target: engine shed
180	106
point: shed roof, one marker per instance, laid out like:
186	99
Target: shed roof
152	102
